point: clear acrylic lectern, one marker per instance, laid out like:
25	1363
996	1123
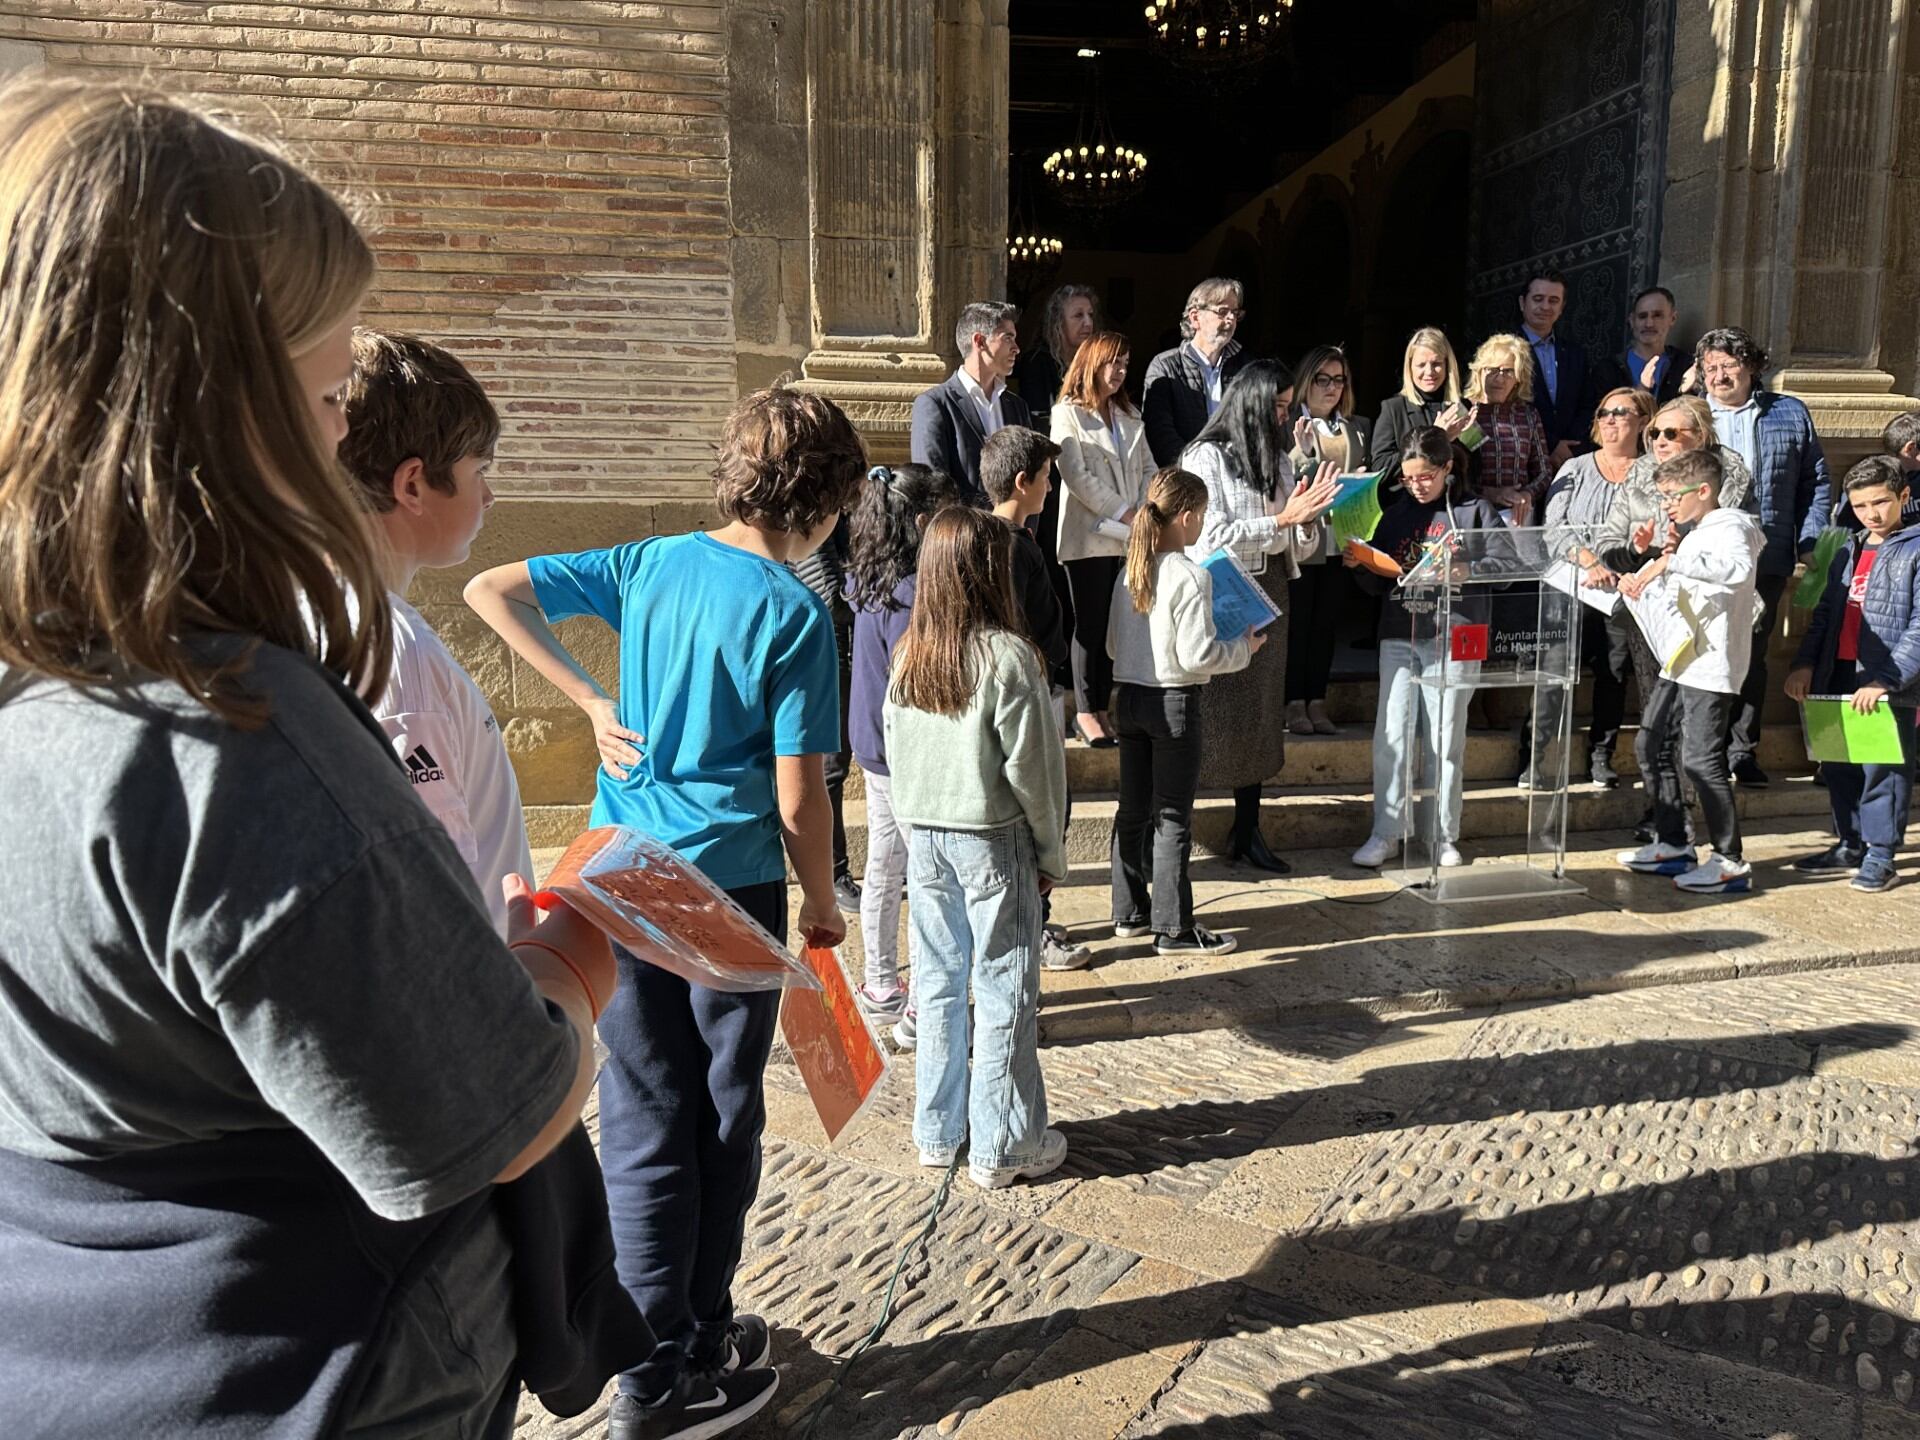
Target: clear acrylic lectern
1489	609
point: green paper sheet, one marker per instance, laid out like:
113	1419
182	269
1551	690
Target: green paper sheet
1838	732
1813	584
1355	513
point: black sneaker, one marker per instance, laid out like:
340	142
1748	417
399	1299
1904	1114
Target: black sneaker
1197	941
696	1409
846	895
1600	770
1527	779
1836	860
1748	772
749	1345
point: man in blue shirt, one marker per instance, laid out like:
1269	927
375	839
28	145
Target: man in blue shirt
1649	363
729	705
1774	434
1561	387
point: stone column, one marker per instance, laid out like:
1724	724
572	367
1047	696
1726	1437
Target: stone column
907	196
1782	159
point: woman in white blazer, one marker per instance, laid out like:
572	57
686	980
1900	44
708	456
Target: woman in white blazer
1103	471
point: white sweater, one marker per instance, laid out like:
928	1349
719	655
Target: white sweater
1712	577
1173	644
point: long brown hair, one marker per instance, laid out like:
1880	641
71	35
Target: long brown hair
964	591
1171	492
1096	352
160	470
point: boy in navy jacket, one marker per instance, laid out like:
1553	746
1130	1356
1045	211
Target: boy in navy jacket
1863	641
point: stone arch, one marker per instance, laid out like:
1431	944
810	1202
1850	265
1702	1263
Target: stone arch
1419	269
1315	297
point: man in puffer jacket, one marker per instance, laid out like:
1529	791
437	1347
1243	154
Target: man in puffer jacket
1863	641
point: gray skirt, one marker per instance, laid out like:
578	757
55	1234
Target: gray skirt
1244	739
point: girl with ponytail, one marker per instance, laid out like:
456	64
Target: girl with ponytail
1164	647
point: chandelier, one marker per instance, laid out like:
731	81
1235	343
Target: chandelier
1227	31
1033	249
1096	170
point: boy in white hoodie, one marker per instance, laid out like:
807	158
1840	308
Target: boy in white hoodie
1697	603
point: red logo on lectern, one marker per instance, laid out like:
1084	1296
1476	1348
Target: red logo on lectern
1469	642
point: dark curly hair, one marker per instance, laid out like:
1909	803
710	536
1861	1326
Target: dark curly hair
788	460
1731	340
886	529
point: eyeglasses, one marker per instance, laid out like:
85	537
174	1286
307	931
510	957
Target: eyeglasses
1224	312
1668	432
1682	493
1721	372
1617	412
1503	371
1330	382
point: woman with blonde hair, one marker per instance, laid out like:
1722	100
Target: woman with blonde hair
1102	470
1512	455
1429	396
265	1060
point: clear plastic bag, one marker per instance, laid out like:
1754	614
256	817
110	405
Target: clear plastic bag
840	1059
651	900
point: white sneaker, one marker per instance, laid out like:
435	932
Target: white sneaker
1450	856
906	1035
1659	858
1063	955
1376	852
1717	876
1053	1151
937	1159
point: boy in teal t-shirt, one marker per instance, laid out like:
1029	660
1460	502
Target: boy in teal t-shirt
729	705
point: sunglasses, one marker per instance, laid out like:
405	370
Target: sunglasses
1503	370
1667	432
1617	412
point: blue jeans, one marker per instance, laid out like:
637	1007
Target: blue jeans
1870	802
974	901
681	1111
1419	737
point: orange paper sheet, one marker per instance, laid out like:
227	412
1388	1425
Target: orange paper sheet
650	900
840	1061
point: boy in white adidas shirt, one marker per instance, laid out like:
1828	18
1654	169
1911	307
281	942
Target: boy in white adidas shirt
420	436
1700	597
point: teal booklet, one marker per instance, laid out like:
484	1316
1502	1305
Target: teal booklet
1239	604
1838	732
1355	512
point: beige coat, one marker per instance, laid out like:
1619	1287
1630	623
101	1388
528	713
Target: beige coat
1097	482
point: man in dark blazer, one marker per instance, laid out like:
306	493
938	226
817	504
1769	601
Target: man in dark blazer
953	419
1184	384
1648	363
1562	385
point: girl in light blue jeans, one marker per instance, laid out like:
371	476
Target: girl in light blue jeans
979	775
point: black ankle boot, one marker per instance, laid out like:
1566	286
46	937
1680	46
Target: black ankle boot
1249	846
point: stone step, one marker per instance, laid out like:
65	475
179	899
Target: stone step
1341	817
1347	758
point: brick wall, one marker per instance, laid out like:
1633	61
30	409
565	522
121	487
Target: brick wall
549	181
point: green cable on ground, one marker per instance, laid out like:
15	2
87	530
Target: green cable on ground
886	1300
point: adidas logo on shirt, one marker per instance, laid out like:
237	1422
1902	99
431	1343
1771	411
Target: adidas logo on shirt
422	768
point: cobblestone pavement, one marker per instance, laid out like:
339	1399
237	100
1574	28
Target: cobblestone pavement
1688	1208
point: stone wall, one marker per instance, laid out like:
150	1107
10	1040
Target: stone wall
547	186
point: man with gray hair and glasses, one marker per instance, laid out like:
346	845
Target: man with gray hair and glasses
1184	384
953	419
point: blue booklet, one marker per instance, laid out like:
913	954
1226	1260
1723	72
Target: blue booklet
1239	604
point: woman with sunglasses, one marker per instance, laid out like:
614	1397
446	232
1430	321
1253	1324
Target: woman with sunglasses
1582	495
1325	431
1636	523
